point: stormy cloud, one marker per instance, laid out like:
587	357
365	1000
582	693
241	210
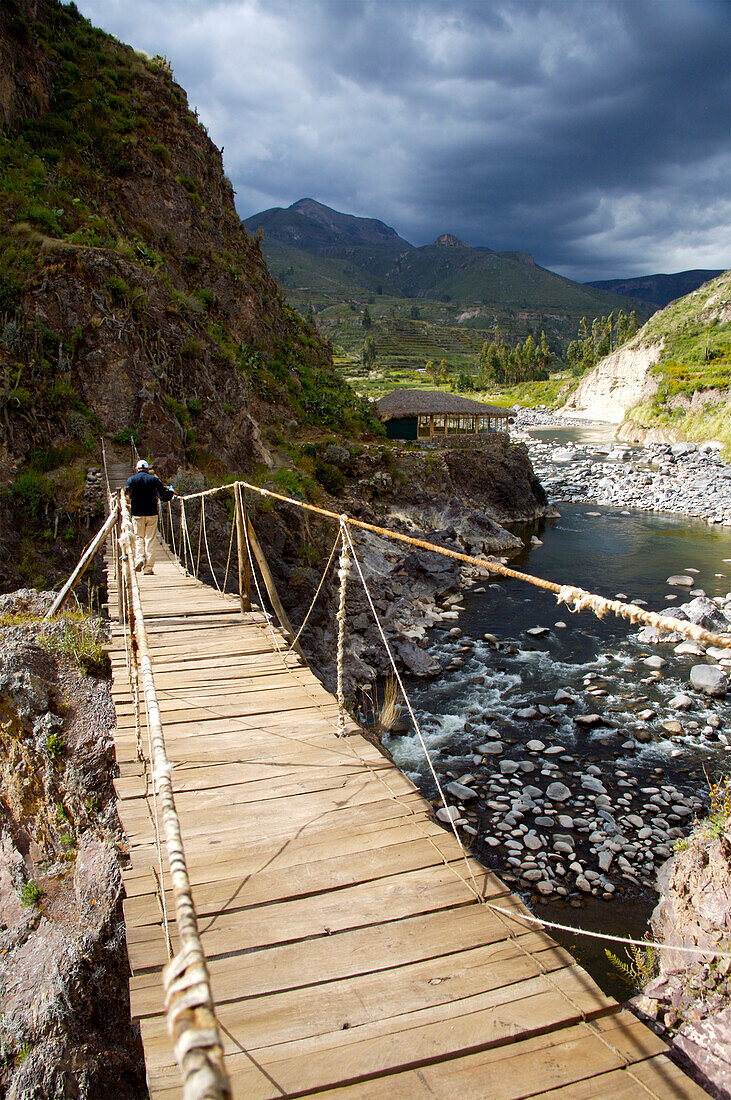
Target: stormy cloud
594	135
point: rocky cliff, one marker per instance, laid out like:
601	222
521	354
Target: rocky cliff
617	383
689	1000
65	1028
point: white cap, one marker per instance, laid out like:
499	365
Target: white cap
142	465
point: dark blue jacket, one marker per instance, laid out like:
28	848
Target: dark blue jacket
144	492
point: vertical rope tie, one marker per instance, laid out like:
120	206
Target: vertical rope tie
344	568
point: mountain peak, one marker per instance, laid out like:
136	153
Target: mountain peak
448	240
310	224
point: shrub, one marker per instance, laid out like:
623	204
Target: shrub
161	152
127	436
30	894
84	643
294	483
205	298
55	745
329	476
31	493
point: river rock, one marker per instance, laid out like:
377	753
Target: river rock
588	720
447	814
680	581
558	792
681	702
418	661
538	631
709	679
704	612
460	791
535	746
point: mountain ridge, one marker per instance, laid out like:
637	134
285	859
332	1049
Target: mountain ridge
658	290
330	262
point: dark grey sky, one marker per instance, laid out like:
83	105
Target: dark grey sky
593	133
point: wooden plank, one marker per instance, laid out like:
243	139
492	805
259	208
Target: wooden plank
533	1066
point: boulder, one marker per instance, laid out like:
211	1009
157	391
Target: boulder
709	679
418	661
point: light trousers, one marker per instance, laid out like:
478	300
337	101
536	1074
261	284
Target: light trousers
145	540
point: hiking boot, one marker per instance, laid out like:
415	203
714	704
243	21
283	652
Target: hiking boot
138	567
148	572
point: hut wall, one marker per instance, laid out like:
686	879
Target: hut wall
403	427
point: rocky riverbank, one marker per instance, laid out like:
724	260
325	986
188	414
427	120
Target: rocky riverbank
65	1025
687	478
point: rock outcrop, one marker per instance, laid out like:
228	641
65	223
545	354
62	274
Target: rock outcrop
617	383
65	1028
690	1000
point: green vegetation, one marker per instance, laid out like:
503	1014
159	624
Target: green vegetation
604	336
82	640
640	967
694	371
30	894
55	745
528	362
462	293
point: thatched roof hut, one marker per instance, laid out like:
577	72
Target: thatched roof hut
423	414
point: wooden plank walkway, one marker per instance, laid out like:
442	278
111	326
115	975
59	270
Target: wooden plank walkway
347	953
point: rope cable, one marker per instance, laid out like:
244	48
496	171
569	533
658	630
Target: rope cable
205	538
228	559
412	715
595	603
311	608
343	571
200	540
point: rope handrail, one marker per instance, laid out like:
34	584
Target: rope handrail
576	599
188	999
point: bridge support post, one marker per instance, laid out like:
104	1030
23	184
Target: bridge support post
244	566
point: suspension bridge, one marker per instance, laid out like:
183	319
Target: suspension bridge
298	924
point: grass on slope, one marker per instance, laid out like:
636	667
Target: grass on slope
693	398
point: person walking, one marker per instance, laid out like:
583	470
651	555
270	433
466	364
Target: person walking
144	491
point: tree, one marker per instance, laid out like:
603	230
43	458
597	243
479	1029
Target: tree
310	314
444	370
545	356
368	352
366	319
432	370
414	313
529	353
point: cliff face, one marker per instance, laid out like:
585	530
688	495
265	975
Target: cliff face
690	1000
616	384
65	1027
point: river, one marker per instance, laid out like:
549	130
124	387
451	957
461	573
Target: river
612	552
